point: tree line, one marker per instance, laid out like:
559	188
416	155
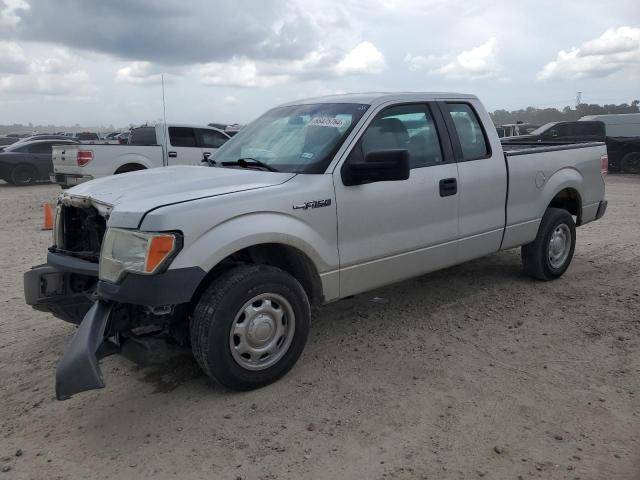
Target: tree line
540	116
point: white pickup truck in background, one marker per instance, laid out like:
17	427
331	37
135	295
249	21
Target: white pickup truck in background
148	147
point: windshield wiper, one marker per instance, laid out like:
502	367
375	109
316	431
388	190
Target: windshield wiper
248	163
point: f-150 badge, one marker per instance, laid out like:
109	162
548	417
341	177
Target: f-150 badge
313	204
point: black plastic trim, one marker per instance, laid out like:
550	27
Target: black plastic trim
526	148
67	263
170	288
453	133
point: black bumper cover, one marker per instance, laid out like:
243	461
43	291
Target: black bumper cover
78	370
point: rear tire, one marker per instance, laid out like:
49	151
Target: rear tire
250	326
130	167
631	163
550	254
23	175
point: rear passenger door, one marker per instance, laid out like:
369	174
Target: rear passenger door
482	179
392	230
183	147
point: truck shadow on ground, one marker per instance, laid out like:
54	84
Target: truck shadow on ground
331	323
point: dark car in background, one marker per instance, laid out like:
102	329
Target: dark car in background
4	141
25	163
562	132
41	136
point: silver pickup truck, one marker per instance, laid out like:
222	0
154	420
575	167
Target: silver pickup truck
314	201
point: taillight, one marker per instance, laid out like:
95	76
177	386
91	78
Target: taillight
84	157
604	164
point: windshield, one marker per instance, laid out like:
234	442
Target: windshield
543	128
296	139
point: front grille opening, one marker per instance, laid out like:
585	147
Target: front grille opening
82	232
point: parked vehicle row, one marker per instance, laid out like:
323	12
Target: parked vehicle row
29	161
314	201
148	147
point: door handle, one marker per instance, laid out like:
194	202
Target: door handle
448	187
173	154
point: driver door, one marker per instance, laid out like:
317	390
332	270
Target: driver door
392	230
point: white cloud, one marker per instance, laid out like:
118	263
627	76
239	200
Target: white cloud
72	84
138	73
230	100
8	17
52	72
239	72
418	63
476	63
318	64
364	58
613	51
12	58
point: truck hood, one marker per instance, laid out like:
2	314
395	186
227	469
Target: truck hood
127	197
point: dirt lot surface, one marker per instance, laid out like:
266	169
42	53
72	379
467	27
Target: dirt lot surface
473	372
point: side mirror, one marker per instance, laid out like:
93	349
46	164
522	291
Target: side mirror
379	166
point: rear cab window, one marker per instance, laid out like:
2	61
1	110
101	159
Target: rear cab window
143	136
471	136
182	137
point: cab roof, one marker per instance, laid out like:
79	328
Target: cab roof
371	98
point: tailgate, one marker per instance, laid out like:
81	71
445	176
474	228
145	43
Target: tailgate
65	158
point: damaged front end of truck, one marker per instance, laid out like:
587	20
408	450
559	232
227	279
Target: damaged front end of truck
120	306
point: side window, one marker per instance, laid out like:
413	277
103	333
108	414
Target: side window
211	138
408	127
42	148
182	137
559	130
467	125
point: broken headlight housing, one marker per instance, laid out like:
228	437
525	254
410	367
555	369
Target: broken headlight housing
138	252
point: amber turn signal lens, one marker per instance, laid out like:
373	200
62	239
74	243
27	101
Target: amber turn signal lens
160	248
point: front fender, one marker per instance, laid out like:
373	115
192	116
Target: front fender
251	229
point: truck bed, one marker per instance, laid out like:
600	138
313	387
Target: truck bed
574	167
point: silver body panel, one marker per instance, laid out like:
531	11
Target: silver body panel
369	235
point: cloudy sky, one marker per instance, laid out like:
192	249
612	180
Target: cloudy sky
97	62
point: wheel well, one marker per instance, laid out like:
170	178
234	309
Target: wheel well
290	259
569	200
129	167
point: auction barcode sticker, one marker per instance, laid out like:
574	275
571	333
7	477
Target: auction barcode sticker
326	122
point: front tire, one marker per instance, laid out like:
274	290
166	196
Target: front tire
550	254
250	326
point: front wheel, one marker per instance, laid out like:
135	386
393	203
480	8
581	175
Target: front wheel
250	326
550	254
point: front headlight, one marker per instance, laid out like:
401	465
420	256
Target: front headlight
133	251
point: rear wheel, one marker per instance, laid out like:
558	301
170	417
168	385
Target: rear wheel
631	163
550	254
130	167
250	326
22	175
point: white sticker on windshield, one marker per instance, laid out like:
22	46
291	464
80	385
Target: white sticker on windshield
326	122
307	155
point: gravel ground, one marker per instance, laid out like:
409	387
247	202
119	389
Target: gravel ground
472	372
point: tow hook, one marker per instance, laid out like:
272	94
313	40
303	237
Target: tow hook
78	369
